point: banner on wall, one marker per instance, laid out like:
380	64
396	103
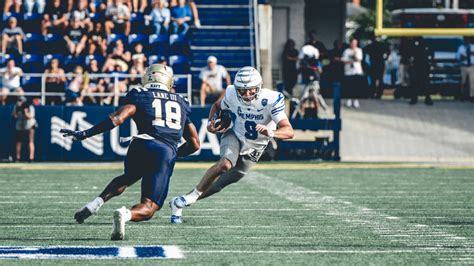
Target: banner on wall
52	146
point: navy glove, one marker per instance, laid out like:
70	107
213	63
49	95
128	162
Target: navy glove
76	135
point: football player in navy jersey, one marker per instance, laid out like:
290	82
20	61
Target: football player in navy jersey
162	118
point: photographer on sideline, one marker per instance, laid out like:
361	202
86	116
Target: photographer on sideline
24	113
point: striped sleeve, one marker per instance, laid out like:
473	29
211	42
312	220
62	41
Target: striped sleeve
278	109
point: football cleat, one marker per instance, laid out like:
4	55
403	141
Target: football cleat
118	228
81	215
177	204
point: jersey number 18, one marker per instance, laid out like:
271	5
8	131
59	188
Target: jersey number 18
171	117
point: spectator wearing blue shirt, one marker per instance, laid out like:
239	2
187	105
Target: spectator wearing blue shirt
160	16
180	15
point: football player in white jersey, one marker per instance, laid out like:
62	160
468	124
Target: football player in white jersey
258	115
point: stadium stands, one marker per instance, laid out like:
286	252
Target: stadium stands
227	32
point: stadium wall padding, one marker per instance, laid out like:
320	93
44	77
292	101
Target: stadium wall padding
51	146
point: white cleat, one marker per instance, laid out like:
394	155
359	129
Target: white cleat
118	229
177	204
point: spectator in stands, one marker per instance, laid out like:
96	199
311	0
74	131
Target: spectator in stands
378	53
138	53
354	79
75	37
16	4
420	74
162	60
55	18
117	83
96	84
10	80
119	56
31	4
137	6
180	16
97	6
159	17
12	38
82	12
118	18
290	72
194	11
55	83
97	41
75	90
24	113
138	69
465	55
211	81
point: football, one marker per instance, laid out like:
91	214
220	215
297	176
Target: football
223	118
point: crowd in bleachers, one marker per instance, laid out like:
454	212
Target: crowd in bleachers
86	37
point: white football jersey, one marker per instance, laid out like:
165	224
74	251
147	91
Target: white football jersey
268	109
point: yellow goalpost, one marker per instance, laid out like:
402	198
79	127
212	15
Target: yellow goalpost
380	30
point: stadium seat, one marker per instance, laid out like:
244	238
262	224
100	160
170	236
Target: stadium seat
133	39
181	85
47	59
159	45
33	43
179	45
137	21
153	59
100	59
31	84
179	63
6	16
32	63
70	62
32	22
54	43
96	17
114	37
4	58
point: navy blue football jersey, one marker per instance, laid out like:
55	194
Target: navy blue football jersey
160	114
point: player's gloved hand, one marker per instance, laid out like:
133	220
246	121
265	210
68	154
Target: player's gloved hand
213	129
262	129
76	135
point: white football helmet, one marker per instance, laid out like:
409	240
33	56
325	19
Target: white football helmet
158	73
247	78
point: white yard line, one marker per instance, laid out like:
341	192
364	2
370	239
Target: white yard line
393	228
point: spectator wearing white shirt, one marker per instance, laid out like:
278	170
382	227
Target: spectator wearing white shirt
160	17
118	18
12	38
352	59
211	81
11	80
465	55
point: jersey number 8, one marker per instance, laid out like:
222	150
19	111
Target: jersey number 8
171	116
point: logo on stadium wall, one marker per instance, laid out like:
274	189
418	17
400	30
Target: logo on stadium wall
94	144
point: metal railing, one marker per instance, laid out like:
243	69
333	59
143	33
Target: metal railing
113	78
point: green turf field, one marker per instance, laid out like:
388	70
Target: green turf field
289	214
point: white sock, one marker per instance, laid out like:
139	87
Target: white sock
192	196
128	215
95	205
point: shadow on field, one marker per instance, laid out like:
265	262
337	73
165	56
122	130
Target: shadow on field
28	239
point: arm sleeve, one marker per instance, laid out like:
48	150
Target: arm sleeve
278	109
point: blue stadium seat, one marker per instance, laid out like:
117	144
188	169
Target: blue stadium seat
54	43
114	37
179	44
70	62
4	59
100	60
33	43
153	59
7	15
96	17
32	63
137	21
31	84
181	85
159	45
47	59
180	64
134	39
32	22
